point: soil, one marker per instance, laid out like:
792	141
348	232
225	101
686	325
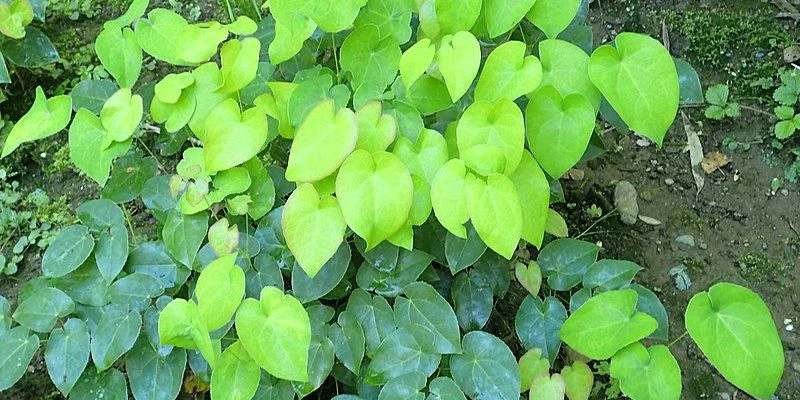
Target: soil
743	232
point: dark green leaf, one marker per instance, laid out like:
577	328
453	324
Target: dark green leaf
33	51
650	304
691	88
106	385
487	369
565	261
461	253
128	177
135	291
473	301
92	94
410	265
100	214
85	285
152	376
348	341
307	289
425	306
67	354
495	271
152	259
537	324
40	311
112	252
375	317
443	388
157	197
408	349
18	350
605	275
383	256
405	387
69	250
183	235
116	333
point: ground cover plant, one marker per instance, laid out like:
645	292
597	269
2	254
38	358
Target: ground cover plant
358	183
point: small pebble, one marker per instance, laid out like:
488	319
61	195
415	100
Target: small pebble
669	181
703	246
686	240
796	366
789	328
785	192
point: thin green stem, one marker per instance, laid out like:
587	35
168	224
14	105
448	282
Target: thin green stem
678	338
130	224
603	218
229	9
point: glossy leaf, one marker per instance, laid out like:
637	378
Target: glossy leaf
548	388
35	50
462	253
486	368
531	367
606	275
69	250
94	384
67	354
472	301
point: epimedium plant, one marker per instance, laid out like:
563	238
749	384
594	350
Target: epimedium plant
360	178
20	43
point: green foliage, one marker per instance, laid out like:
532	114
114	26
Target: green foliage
719	104
293	243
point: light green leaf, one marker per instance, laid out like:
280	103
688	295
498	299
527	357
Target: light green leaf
87	138
236	376
459	59
135	291
503	15
69	250
548	388
408	349
440	18
486	369
348	340
559	129
67	354
553	16
423	305
135	11
313	227
324	128
566	67
508	74
232	137
180	324
183	235
239	63
579	380
416	60
449	196
120	116
45	118
375	193
607	323
167	36
498	127
735	330
242	26
496	213
625	75
152	376
391	17
292	28
372	60
336	15
531	367
15	15
276	332
115	334
119	52
650	304
647	373
219	291
425	157
106	385
376	131
533	191
19	348
40	311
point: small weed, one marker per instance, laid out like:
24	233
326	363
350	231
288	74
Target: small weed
720	104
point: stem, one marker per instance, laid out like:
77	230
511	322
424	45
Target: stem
603	218
756	110
257	9
335	56
160	167
678	338
230	10
130	224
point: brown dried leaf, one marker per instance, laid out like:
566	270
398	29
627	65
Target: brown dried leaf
714	161
650	220
695	152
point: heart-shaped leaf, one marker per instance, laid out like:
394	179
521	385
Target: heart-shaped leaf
502	15
324	128
530	277
508	74
152	375
14	17
71	247
336	15
449	196
313	227
232	137
45	118
553	16
533	191
375	192
372	60
416	60
579	380
276	332
499	127
40	311
625	73
532	366
537	324
120	54
121	115
548	388
647	373
180	324
423	305
459	59
67	354
607	323
21	346
425	157
752	358
223	238
376	131
236	375
496	213
486	369
239	63
566	67
114	335
87	138
219	291
565	261
392	18
438	18
559	129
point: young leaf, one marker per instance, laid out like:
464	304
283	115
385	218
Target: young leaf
559	129
69	250
624	74
232	137
40	311
324	128
115	334
499	127
647	373
548	388
20	346
239	63
533	191
578	380
486	369
45	118
375	193
449	196
135	11
502	15
566	67
219	291
372	60
67	354
553	16
537	324
276	332
423	305
508	74
439	18
153	376
236	376
496	213
531	367
87	138
376	131
425	157
416	60
607	323
292	28
752	358
120	116
120	53
180	324
14	17
459	59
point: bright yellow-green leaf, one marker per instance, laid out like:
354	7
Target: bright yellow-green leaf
87	150
375	192
322	143
15	17
578	380
496	213
172	86
243	26
372	60
508	74
336	15
313	226
207	78
504	15
282	92
459	59
233	137
566	66
219	291
120	53
532	366
533	190
45	118
121	115
376	131
276	332
645	373
426	156
292	28
498	127
548	388
239	63
553	16
449	196
416	60
236	375
180	324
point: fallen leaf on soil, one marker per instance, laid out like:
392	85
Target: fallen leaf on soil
714	161
625	200
695	152
575	174
650	220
